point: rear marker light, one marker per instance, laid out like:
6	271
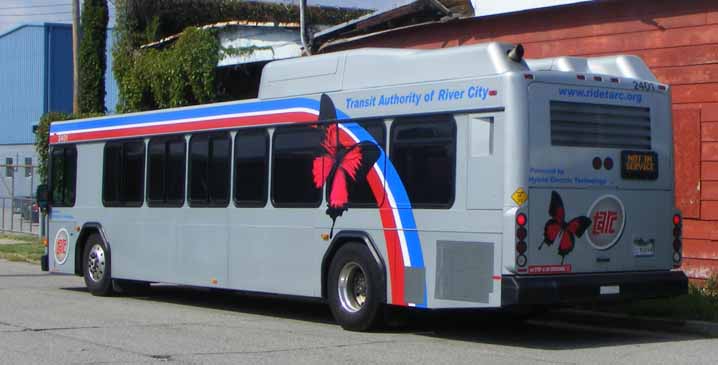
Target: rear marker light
676	245
493	93
614	79
608	163
597	78
521	233
676	231
676	219
521	247
581	77
521	219
662	87
528	76
596	163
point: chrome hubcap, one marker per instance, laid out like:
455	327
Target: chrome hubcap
352	287
96	263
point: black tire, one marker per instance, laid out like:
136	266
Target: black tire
353	262
98	274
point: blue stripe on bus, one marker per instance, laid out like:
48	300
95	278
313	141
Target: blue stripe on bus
196	112
403	206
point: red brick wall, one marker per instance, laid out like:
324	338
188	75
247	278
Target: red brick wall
677	39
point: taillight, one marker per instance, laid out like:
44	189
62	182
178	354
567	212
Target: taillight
677	243
521	245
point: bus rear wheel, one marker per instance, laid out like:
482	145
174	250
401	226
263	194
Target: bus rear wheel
354	288
96	266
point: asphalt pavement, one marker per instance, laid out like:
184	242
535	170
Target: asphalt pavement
51	319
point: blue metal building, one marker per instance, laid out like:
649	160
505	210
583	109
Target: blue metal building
35	78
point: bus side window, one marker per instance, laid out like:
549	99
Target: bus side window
123	174
294	149
63	175
251	161
209	169
361	194
166	171
423	151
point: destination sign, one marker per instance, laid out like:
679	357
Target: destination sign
642	165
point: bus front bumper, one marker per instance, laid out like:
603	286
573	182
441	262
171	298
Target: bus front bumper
582	288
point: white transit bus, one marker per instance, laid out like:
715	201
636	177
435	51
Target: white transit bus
467	177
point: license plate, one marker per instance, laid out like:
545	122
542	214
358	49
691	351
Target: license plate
610	289
640	165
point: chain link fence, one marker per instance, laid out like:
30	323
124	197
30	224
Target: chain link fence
19	215
18	209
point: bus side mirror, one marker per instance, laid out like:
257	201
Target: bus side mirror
43	197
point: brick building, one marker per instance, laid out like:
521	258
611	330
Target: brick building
677	39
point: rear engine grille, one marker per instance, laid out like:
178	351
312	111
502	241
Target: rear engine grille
603	126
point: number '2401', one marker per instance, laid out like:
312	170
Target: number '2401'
644	86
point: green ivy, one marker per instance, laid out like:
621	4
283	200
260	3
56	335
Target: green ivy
92	56
176	15
42	135
180	75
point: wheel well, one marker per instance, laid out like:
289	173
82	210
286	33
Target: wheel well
340	240
87	230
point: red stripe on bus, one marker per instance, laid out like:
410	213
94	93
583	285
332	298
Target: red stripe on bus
294	117
391	236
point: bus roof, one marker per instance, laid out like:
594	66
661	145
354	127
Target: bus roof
379	67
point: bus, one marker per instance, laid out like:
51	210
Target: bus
467	177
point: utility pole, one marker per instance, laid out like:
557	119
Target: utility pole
75	62
303	27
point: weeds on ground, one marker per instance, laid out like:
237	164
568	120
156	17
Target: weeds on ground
701	303
27	249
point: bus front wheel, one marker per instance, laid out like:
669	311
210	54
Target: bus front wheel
96	266
354	287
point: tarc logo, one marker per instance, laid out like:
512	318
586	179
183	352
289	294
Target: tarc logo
61	241
608	217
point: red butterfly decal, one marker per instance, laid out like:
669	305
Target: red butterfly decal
557	230
344	163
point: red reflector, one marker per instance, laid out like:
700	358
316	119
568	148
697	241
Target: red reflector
493	92
521	219
676	219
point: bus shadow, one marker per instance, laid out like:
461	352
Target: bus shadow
545	332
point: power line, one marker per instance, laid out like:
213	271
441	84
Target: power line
33	6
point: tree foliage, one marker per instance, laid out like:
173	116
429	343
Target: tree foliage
166	17
92	56
42	136
184	73
180	75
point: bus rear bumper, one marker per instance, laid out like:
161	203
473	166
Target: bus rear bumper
582	288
